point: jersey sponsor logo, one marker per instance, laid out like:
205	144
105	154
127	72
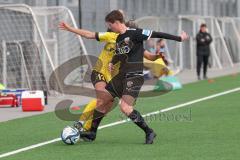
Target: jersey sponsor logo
124	47
123	50
146	32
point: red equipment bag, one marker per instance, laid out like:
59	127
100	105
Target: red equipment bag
8	100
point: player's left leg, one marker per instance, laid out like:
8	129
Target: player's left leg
130	94
126	105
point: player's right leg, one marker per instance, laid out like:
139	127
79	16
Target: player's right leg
104	103
98	114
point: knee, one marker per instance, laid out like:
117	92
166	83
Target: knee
100	102
126	108
104	105
100	106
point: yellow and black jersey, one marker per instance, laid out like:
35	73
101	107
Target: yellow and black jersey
106	54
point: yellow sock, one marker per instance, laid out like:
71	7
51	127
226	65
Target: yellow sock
88	124
88	114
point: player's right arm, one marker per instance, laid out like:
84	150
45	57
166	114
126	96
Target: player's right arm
82	32
150	56
183	36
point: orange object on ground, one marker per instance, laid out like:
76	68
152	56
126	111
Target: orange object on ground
211	81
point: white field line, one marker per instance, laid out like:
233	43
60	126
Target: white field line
124	121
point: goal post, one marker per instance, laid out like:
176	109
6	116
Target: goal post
32	46
224	48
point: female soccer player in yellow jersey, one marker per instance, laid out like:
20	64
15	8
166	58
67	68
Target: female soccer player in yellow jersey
100	74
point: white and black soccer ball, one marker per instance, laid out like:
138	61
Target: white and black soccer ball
70	135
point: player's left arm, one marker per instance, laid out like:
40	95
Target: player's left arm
183	36
143	34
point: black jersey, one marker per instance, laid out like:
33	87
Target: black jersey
129	50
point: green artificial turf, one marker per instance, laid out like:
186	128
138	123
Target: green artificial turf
205	130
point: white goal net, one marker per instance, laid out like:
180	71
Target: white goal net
32	46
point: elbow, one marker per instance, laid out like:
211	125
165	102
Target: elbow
150	58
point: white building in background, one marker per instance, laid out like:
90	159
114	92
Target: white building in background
92	12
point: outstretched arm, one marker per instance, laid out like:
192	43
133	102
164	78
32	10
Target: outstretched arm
182	37
84	33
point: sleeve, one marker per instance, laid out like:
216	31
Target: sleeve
143	34
165	36
103	36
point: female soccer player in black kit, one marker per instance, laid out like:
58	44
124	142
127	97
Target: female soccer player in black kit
127	84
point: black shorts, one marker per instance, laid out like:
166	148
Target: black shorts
97	77
122	85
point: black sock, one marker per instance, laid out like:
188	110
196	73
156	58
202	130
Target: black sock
97	117
136	117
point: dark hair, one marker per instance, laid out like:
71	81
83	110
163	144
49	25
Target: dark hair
131	24
114	16
203	25
109	30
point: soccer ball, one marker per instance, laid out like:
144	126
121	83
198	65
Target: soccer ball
70	135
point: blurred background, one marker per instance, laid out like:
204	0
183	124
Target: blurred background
90	13
53	47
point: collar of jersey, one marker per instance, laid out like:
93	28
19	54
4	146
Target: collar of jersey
131	28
